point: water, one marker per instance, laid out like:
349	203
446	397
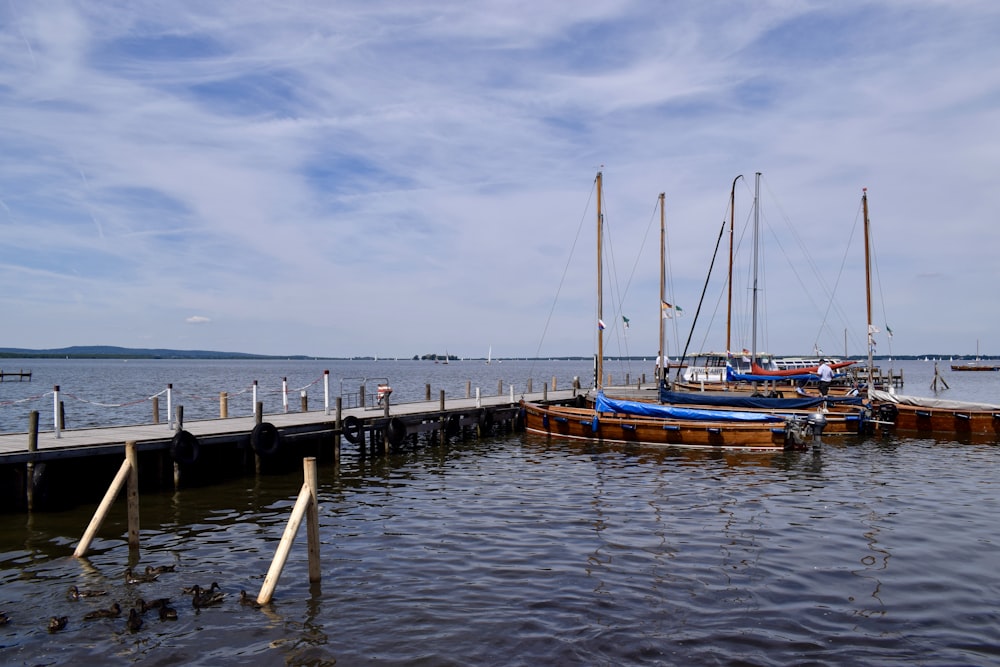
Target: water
516	550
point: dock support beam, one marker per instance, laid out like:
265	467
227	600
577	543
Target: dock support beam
128	473
307	505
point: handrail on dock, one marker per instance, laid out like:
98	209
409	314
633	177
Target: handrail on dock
20	374
307	505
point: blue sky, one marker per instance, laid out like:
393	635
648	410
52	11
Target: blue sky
358	178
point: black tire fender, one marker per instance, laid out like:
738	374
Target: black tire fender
184	448
353	429
265	439
395	431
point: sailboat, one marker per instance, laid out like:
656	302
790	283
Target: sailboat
489	356
974	365
612	420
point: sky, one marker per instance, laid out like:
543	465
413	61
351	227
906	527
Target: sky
361	178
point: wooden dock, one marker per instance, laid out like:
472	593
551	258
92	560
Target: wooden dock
59	466
20	374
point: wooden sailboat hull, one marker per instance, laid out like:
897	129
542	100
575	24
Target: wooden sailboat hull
580	424
932	421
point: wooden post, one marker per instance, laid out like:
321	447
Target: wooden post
361	398
306	505
427	392
62	415
30	468
529	386
132	494
303	401
127	473
258	419
156	409
468	388
179	418
545	392
338	424
499	387
223	405
553	383
442	399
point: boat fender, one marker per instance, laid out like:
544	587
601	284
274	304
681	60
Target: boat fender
353	430
485	419
395	431
184	447
265	439
452	425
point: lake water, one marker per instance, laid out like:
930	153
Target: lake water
517	550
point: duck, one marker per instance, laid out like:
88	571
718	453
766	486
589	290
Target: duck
207	598
75	593
191	590
159	569
144	606
114	611
248	601
134	621
4	618
134	578
57	623
168	613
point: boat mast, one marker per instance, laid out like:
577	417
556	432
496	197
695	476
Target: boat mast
868	289
663	282
599	366
732	225
756	234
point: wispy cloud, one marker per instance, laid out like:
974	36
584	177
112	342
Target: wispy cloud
348	178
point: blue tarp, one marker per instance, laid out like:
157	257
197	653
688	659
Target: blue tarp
743	401
605	404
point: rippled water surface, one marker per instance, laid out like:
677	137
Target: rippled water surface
517	550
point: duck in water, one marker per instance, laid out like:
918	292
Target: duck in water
114	611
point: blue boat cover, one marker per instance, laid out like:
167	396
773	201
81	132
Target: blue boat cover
743	401
605	404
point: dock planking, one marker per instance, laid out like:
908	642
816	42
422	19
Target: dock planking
73	443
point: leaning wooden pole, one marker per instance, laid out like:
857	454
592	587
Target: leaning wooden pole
307	505
128	472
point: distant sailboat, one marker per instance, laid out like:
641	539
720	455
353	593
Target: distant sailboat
489	356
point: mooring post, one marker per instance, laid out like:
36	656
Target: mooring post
306	505
156	409
338	423
442	399
132	494
479	400
326	393
361	396
427	392
254	399
179	417
32	448
258	412
55	410
223	405
284	393
468	388
62	415
303	401
553	383
499	387
529	386
170	410
545	392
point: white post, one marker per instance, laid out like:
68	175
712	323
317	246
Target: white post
479	402
170	409
253	406
284	393
512	392
326	392
55	411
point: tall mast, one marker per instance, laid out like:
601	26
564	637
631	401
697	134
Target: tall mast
868	288
600	291
756	252
732	225
663	283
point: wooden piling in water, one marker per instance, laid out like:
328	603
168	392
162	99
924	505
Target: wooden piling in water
306	505
127	473
30	466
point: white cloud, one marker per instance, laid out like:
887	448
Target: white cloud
198	319
397	178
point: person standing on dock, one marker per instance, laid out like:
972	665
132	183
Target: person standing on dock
825	376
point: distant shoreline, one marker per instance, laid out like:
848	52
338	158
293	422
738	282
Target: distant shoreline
112	352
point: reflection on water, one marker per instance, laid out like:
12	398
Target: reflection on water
519	550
